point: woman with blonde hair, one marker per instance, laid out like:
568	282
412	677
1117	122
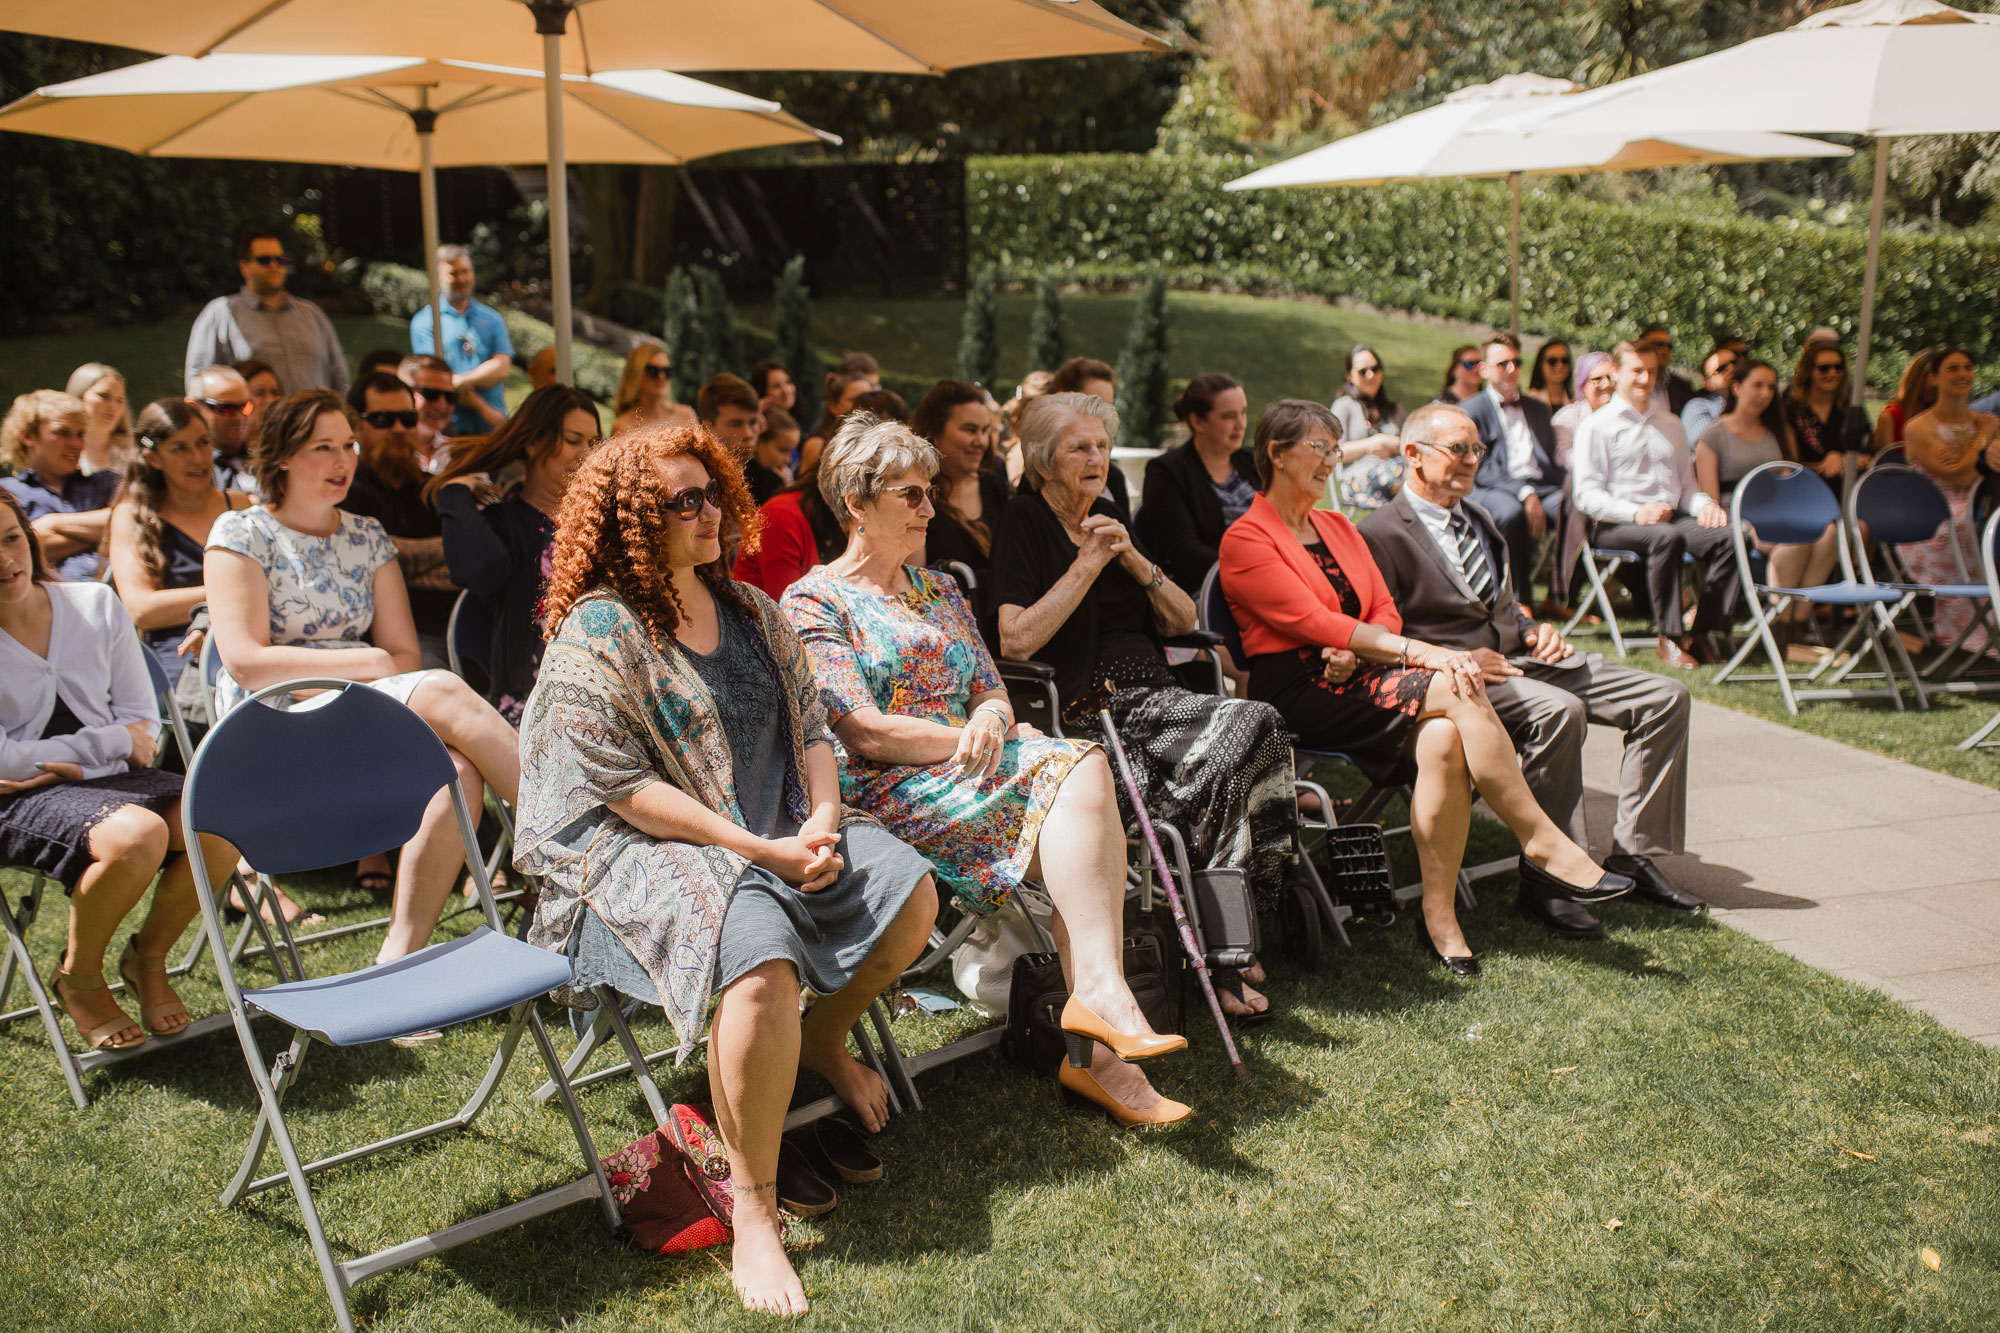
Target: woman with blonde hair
42	439
646	392
107	440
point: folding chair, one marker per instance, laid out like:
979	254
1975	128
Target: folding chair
248	787
468	638
1600	563
1788	504
1989	565
1900	507
170	709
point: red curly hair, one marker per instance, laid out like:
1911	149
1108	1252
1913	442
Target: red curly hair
610	531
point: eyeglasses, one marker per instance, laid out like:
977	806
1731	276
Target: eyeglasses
436	395
1459	452
1601	381
270	261
660	372
222	409
1658	344
1320	447
688	503
1511	363
1722	366
384	420
1830	368
911	495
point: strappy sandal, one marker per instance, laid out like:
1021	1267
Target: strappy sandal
103	1036
153	1017
1229	981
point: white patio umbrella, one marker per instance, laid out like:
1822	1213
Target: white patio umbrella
1455	139
395	113
896	36
1883	68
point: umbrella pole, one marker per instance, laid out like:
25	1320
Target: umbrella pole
1514	256
1867	329
425	120
551	20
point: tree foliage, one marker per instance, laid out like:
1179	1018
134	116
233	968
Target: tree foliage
1142	369
791	326
979	332
1048	334
686	333
718	319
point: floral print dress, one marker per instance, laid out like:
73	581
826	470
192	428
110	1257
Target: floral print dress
919	654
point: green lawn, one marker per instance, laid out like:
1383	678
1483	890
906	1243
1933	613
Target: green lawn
1412	1153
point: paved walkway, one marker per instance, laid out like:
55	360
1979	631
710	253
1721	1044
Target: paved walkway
1871	868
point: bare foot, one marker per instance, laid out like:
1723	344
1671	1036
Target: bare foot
1253	1002
1254	974
859	1086
763	1276
1123	1081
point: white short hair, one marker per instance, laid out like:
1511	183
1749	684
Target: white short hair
206	383
863	454
1044	419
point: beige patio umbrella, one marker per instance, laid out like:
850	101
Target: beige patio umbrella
896	36
396	113
1455	138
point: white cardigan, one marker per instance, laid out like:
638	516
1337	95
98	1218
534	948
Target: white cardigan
96	664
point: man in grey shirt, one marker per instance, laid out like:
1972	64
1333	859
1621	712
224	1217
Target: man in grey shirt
266	322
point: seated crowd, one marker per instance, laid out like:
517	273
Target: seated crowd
742	677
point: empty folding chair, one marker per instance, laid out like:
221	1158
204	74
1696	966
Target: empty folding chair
1785	504
1900	506
1989	565
1600	563
306	788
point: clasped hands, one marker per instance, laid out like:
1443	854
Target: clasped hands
982	741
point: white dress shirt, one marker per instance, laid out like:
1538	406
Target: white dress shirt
1437	522
1519	442
1625	459
96	665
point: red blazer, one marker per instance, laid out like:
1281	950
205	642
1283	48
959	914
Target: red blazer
1280	598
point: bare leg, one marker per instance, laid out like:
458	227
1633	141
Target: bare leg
1440	815
1496	769
430	865
126	849
471	726
823	1035
753	1058
1127	1082
174	905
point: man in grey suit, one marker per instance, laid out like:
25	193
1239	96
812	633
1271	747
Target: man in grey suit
1520	484
1444	560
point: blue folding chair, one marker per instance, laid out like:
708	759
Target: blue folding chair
1989	565
468	635
1900	506
1787	504
306	788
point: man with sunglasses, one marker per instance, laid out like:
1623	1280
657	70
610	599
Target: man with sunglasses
1520	482
437	401
1718	374
476	347
222	396
388	486
264	321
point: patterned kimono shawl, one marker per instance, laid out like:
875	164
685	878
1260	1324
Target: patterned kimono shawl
611	713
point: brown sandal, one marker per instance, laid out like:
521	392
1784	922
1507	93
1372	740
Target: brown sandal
130	964
103	1036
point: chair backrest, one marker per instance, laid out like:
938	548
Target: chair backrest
1785	502
961	573
170	707
1213	614
315	785
468	636
1989	557
1899	504
1895	455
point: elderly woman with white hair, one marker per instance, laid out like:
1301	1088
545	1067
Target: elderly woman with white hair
1075	590
929	746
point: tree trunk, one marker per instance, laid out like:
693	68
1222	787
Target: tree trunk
653	224
603	199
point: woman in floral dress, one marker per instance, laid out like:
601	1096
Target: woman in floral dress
929	746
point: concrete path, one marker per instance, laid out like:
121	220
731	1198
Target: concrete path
1873	869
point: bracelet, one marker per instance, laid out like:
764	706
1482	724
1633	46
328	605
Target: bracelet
1159	577
999	711
1403	653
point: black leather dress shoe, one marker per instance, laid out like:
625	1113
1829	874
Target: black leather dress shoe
1565	920
1651	884
1537	881
1468	966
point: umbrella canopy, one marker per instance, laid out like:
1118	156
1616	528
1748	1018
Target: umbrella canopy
400	114
1455	138
1882	68
584	36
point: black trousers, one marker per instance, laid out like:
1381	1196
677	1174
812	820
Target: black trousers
1662	547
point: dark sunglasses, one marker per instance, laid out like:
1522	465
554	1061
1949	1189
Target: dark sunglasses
1368	370
1555	360
223	409
660	372
1459	451
1511	363
688	503
913	496
436	395
1468	364
1829	368
270	261
384	420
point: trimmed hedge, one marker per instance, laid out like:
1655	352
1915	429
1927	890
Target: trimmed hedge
1592	271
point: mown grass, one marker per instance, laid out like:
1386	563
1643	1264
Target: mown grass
1412	1153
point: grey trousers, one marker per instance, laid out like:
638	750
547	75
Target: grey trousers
1546	711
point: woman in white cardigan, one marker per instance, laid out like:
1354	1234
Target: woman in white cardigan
79	726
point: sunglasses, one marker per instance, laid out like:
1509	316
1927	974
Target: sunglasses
660	372
688	503
1468	364
223	409
1368	370
1721	366
436	395
1555	360
1511	363
1830	368
384	420
1459	452
912	495
270	261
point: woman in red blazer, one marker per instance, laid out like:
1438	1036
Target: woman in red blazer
1326	648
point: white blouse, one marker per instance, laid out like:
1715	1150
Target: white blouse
96	665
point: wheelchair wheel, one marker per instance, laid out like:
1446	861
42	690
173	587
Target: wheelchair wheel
1299	925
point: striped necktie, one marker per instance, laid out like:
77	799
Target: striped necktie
1471	558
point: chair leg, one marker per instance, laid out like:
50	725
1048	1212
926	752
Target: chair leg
607	1203
892	1054
517	1022
23	962
1977	740
586	1046
614	1018
276	1081
873	1059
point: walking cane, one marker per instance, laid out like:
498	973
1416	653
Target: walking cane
1188	940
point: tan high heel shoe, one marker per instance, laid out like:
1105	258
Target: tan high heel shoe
152	1016
1082	1085
103	1036
1081	1026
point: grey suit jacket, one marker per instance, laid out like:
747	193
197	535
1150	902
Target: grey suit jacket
1432	596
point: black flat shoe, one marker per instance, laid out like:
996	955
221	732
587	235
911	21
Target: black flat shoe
800	1190
1535	880
1651	884
1562	918
837	1151
1468	966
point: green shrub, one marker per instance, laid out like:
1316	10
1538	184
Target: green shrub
791	332
718	322
396	290
636	306
979	333
686	335
1142	369
1591	271
1048	338
400	291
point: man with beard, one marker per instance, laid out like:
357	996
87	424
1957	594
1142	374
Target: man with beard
388	486
222	396
431	380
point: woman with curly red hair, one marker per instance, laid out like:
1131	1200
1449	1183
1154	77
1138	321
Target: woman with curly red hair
680	798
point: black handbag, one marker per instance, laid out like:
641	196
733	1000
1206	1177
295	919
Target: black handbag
1036	995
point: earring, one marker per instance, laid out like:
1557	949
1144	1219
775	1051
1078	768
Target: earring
862	528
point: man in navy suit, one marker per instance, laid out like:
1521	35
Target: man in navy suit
1439	553
1519	483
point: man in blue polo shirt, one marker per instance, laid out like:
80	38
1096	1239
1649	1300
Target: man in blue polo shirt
476	345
